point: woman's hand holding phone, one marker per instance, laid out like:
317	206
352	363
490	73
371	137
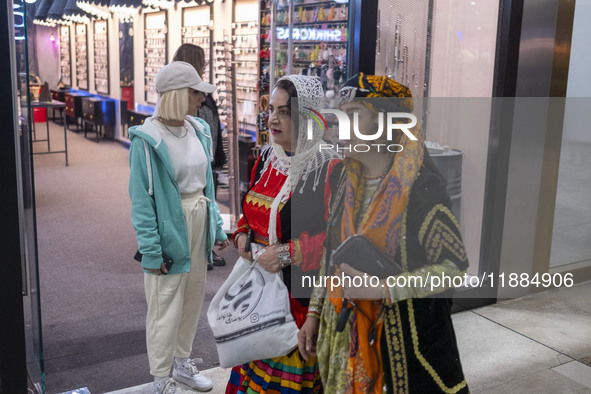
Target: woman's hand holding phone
241	243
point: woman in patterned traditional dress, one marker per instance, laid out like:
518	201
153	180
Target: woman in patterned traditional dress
395	339
287	177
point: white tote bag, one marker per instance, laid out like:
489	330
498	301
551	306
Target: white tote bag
250	316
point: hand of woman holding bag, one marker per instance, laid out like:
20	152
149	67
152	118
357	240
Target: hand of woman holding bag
268	258
241	243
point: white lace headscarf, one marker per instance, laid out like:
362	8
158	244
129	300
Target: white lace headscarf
308	160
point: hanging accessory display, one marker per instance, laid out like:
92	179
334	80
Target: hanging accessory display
263	115
331	15
321	17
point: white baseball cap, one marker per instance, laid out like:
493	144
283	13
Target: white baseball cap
179	75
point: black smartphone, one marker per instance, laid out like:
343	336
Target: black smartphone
167	260
248	244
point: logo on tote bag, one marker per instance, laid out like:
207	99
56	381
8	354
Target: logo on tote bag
241	298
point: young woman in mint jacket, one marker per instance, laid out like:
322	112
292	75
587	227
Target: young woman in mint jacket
174	213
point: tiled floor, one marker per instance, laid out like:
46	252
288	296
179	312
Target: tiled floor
219	376
572	217
529	345
537	344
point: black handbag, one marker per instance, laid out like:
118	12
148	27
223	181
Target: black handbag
363	255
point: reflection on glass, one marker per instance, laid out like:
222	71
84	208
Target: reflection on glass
572	215
31	299
446	49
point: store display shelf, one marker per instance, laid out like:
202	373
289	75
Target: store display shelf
317	23
304	43
244	35
243	63
244	24
308	5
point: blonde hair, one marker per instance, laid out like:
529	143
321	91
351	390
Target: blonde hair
172	105
192	54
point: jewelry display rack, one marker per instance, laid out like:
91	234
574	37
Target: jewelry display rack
222	60
308	37
65	57
226	72
319	38
101	57
199	34
155	51
82	56
245	50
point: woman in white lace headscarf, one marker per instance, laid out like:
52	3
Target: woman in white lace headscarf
285	213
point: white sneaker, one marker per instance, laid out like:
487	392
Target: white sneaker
188	374
165	386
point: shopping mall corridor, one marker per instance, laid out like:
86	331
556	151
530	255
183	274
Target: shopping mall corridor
94	309
93	305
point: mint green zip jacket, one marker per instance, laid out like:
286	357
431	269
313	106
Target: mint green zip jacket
156	210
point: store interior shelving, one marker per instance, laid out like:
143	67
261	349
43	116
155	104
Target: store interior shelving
245	51
65	57
319	38
101	57
82	56
318	42
155	51
197	28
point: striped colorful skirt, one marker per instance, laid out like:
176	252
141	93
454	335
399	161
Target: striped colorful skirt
288	374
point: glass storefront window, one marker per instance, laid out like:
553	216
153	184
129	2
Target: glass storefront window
572	215
445	51
31	297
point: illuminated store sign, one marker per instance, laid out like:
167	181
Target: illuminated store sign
19	20
309	34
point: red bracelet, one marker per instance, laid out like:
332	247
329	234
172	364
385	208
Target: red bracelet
235	240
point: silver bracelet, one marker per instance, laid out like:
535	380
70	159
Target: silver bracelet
284	257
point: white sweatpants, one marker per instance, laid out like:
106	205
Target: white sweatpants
175	300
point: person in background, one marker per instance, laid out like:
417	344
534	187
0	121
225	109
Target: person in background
195	56
284	211
176	218
383	339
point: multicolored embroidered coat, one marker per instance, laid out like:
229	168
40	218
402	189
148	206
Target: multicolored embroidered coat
418	347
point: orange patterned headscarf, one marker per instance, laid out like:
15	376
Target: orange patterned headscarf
381	224
368	86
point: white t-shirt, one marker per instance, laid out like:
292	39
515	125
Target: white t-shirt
187	156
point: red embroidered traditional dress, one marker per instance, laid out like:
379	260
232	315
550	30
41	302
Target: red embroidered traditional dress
301	222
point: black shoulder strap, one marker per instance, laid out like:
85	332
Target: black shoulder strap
335	205
264	157
335	209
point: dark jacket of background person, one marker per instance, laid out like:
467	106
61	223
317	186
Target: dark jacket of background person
209	113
